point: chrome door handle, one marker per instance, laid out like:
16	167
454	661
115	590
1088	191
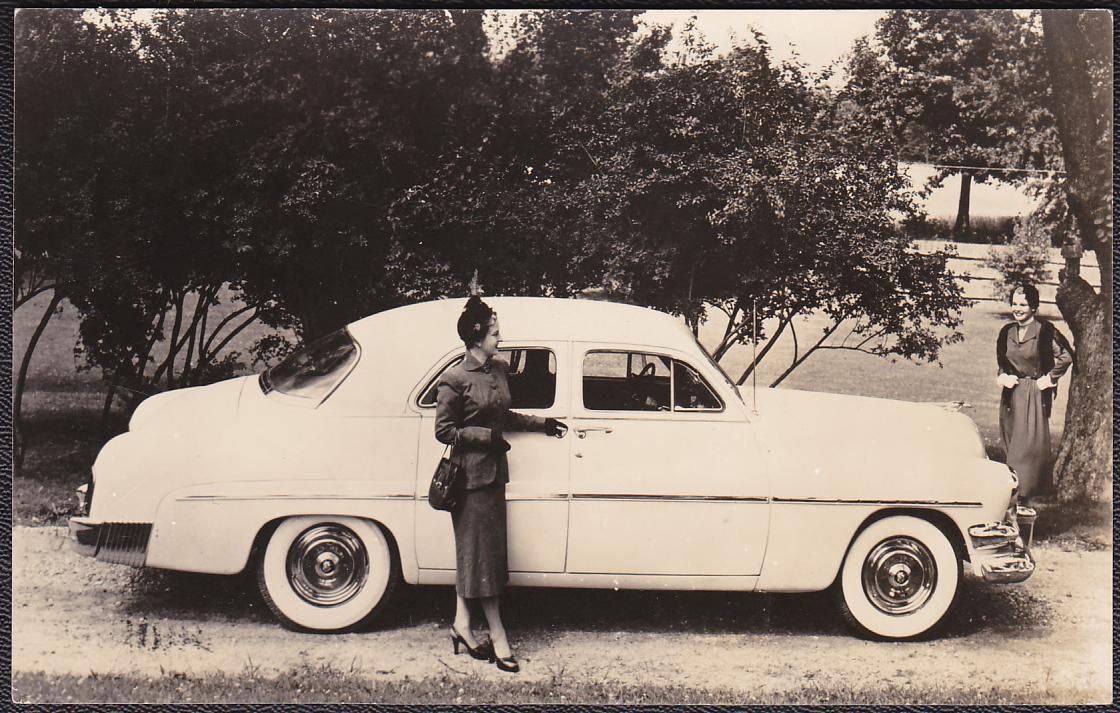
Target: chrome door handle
582	432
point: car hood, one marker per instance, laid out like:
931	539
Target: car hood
191	407
828	446
836	422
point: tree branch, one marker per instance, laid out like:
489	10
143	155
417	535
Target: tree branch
24	298
798	362
231	335
782	324
169	362
228	318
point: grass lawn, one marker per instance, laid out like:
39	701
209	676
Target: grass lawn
329	685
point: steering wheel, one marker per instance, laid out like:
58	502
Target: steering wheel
647	371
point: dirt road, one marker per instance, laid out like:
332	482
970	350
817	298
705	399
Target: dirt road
1051	634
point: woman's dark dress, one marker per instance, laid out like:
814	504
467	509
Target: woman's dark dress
1024	411
471	414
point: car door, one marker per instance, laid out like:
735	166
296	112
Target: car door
666	477
537	494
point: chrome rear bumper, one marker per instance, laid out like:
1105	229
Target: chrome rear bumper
117	542
1001	550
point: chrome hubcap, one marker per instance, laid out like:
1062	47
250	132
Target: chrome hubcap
327	565
899	575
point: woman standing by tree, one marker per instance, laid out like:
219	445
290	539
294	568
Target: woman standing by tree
1032	355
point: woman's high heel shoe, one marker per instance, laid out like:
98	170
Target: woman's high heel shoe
509	664
482	652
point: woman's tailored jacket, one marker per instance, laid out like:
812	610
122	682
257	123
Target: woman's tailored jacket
472	413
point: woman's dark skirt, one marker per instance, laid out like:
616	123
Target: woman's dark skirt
480	543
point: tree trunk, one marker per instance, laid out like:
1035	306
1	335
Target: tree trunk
21	382
962	222
107	407
1078	47
1083	466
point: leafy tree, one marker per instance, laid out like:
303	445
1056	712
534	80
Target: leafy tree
339	115
965	89
118	200
735	184
59	87
507	203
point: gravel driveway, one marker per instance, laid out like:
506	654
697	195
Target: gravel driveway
1052	634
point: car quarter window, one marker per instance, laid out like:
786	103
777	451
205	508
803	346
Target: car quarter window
532	378
691	392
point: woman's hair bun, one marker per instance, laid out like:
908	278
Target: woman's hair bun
474	322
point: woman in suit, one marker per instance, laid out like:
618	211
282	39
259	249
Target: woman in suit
472	414
1032	355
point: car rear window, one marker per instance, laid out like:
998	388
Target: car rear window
313	371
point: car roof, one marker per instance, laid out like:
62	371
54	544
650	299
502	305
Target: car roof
431	324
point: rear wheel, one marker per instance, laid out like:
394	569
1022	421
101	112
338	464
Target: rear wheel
899	578
324	573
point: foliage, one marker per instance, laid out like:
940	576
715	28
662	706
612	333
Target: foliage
733	183
963	88
312	167
686	182
1026	258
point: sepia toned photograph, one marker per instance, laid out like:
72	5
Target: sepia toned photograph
431	356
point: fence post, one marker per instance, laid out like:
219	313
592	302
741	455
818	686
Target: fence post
1072	252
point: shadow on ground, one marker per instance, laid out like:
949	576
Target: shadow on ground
544	613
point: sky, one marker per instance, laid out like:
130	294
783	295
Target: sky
815	38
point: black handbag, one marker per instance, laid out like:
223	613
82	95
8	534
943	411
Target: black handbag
447	484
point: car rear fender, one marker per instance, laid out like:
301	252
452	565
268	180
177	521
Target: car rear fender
216	533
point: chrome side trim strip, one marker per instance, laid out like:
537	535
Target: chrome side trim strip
671	498
195	498
532	498
908	503
785	501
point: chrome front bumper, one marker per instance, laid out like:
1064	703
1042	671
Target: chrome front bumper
1001	551
117	542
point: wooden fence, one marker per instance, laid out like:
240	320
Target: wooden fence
970	263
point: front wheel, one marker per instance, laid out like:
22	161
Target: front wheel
899	578
327	574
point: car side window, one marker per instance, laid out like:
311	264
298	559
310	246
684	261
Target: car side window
532	378
626	381
691	392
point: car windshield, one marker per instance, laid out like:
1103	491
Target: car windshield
312	372
717	367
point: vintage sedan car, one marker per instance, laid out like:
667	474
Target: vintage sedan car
315	473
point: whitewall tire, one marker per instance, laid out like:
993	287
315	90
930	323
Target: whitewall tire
899	578
325	573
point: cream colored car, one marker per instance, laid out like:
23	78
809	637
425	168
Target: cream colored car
315	473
